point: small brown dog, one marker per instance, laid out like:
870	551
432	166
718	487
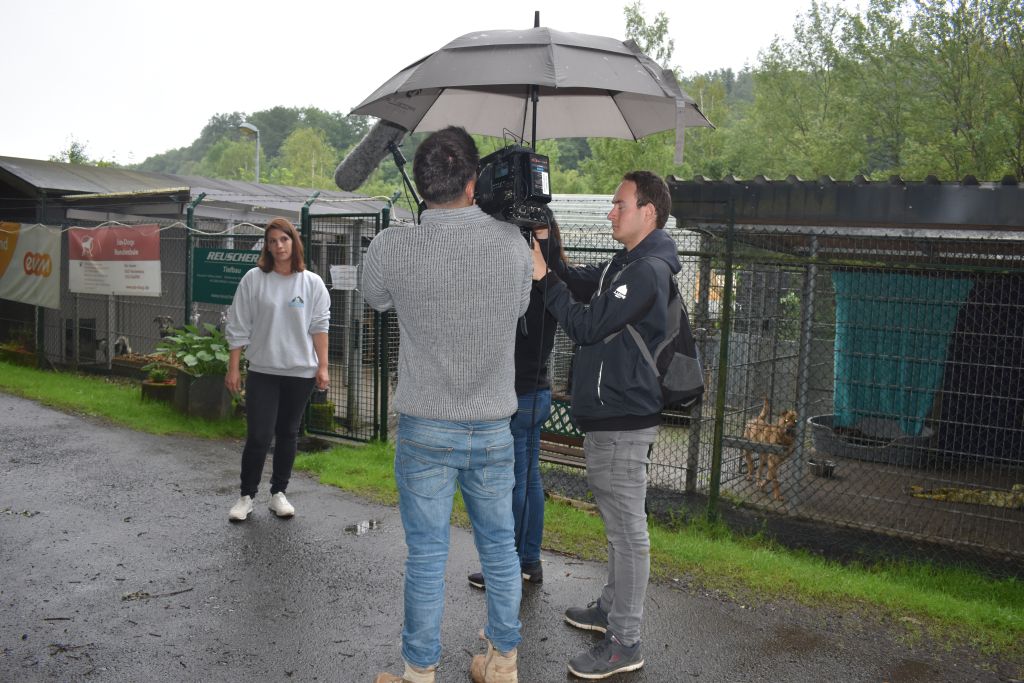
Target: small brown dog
782	432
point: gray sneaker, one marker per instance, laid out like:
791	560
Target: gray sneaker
607	658
589	618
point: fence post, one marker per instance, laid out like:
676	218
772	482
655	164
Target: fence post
723	365
306	223
190	215
700	319
807	305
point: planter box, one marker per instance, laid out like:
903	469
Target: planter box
162	392
127	367
204	397
19	357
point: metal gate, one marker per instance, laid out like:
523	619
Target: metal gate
355	405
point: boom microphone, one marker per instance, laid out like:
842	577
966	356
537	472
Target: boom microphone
359	163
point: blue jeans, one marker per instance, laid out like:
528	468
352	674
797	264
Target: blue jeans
431	456
528	492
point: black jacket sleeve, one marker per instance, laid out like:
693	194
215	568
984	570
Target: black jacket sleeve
626	300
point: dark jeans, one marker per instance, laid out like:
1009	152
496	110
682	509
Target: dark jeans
274	405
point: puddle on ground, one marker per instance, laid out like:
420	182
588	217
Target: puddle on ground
363	527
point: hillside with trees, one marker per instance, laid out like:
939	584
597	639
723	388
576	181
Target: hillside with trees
905	87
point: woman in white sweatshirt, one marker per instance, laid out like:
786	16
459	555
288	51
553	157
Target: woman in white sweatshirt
279	315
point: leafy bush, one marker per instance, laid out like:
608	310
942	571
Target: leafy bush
159	373
199	352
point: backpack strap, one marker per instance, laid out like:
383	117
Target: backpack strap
673	321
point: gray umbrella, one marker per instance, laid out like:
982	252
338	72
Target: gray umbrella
581	85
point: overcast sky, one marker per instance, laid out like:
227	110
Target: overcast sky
132	78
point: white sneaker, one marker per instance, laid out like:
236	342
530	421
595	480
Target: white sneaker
240	510
280	506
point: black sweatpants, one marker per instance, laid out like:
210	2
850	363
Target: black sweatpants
273	409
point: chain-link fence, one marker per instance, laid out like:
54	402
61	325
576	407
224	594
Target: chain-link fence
900	357
112	334
352	406
900	353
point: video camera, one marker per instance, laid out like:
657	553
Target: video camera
514	185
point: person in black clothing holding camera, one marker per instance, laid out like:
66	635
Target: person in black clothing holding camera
535	337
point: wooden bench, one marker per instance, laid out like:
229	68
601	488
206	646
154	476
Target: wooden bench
560	442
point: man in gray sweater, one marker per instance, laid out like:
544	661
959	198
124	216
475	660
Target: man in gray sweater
458	282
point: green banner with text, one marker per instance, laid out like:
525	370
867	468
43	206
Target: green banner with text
217	272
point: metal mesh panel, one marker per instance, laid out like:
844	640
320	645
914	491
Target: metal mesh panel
353	397
677	465
110	333
902	359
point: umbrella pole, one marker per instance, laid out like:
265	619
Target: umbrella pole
534	91
534	97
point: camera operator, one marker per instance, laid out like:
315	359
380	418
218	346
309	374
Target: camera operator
459	283
618	406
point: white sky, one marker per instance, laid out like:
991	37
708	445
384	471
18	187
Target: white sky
133	78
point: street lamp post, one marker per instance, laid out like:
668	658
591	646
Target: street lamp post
250	130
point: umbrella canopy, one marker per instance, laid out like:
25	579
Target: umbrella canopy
587	86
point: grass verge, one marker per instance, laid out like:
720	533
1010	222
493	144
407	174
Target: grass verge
959	607
117	401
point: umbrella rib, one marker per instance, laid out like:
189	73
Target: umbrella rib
624	118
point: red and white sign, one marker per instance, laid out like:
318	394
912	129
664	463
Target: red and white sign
30	264
121	260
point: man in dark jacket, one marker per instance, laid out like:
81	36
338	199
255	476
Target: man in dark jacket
617	401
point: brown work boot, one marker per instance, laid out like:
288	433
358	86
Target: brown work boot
412	675
494	667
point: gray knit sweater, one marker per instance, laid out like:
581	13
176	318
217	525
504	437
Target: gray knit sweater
458	282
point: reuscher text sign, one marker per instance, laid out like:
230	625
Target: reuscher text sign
217	272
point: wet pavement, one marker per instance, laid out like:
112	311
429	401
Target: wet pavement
117	563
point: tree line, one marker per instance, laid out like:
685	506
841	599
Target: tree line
904	87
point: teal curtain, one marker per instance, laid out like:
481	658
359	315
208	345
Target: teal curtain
892	335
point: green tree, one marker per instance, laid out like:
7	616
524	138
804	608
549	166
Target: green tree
954	128
74	153
800	121
230	160
310	158
650	36
882	86
1007	23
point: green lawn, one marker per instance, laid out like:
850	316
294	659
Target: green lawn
958	606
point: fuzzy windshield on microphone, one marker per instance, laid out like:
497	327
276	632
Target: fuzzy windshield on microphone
364	158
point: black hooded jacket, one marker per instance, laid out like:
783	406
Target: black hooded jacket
535	333
613	387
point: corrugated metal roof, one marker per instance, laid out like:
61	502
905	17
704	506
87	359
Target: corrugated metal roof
925	222
62	179
967	204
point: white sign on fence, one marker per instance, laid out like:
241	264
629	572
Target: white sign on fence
118	260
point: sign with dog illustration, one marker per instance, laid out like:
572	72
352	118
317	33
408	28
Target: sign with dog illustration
30	264
114	260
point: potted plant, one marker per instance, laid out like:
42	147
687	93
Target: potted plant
202	359
159	384
321	416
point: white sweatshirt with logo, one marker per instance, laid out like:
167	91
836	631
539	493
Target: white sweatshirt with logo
274	317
